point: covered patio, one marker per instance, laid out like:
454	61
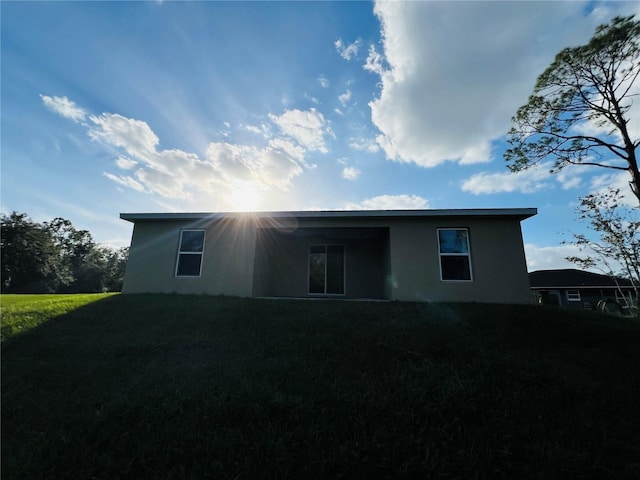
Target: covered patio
342	262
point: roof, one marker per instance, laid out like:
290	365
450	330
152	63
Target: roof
572	278
519	213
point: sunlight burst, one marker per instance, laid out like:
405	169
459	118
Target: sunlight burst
244	198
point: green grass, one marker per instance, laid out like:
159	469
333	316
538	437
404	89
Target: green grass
190	387
21	313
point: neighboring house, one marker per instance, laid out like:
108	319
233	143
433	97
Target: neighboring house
474	255
576	288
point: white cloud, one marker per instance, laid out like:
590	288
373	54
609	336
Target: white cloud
438	104
125	181
64	107
526	181
288	148
364	144
133	135
323	81
268	167
308	128
345	97
390	202
349	51
350	173
619	180
569	178
174	173
125	163
252	129
374	62
178	174
549	258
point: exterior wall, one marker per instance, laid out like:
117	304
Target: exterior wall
498	263
589	297
227	262
240	260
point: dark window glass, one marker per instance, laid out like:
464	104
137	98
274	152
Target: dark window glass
192	241
455	267
453	241
317	265
189	265
335	269
455	259
326	269
190	254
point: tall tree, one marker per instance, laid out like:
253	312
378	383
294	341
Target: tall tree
615	249
578	113
86	261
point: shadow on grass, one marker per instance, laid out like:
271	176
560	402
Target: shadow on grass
164	386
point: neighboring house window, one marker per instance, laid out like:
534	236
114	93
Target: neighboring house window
573	295
326	269
455	259
189	261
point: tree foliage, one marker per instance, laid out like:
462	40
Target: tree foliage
578	113
617	243
55	257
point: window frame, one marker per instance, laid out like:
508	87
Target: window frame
572	297
180	252
344	269
445	254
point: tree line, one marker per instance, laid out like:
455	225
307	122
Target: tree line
55	257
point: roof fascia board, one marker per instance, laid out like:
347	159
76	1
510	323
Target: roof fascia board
521	213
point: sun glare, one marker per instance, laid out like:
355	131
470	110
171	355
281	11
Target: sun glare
244	198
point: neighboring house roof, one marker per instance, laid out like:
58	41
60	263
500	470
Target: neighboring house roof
520	213
572	278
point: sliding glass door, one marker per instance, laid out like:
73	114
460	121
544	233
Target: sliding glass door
326	269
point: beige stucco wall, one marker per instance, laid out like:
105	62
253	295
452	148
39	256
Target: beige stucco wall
227	264
497	261
497	257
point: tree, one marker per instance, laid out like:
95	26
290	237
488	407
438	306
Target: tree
116	263
577	114
55	257
31	260
617	247
86	261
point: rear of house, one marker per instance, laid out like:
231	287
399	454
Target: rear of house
426	255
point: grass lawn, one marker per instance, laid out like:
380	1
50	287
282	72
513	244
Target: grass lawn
21	313
193	387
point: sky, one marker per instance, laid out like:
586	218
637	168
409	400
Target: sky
110	107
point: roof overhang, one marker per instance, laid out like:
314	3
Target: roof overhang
519	213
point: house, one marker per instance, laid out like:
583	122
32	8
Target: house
472	255
577	288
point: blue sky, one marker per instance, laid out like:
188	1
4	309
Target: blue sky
112	107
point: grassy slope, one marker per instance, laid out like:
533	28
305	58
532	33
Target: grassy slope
198	387
21	313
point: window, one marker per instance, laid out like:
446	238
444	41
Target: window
190	253
455	259
573	295
326	269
